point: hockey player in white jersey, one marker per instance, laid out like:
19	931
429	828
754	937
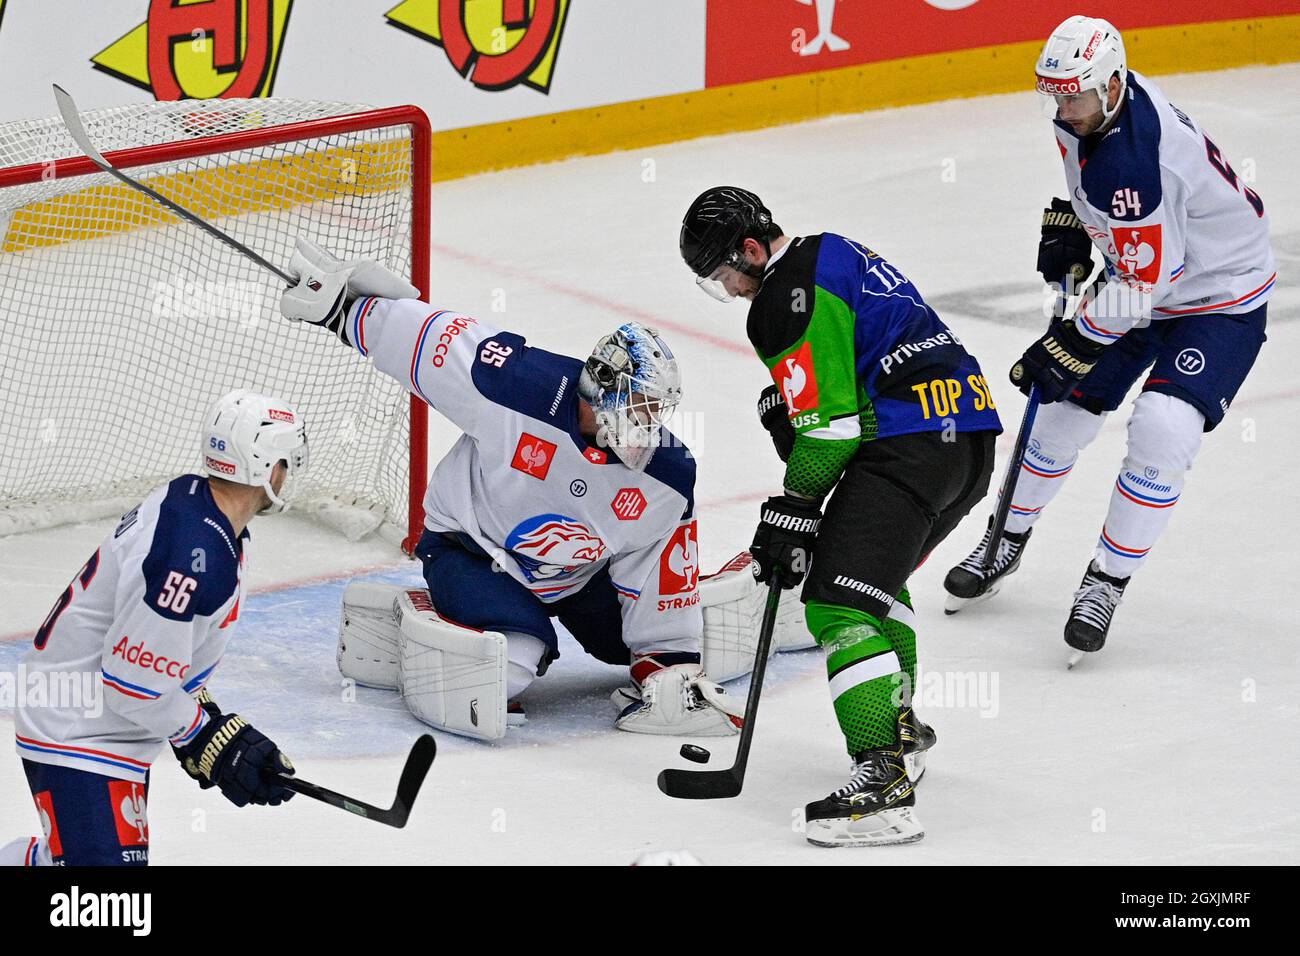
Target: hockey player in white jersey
151	612
565	498
1186	251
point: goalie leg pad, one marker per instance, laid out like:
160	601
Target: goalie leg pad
368	634
733	613
791	632
452	677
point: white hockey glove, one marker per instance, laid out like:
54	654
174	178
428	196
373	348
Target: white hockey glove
679	701
326	286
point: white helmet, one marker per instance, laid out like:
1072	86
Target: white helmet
1079	58
245	435
633	384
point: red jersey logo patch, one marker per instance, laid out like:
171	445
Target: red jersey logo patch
49	826
795	378
628	504
533	456
596	456
129	812
679	565
1139	252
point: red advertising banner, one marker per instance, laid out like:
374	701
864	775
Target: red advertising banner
761	39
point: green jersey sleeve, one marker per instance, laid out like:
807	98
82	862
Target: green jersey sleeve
805	336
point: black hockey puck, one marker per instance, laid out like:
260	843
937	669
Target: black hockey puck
698	754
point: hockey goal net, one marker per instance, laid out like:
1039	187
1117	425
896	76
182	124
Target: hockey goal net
120	324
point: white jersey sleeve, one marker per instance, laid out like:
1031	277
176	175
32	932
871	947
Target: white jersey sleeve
658	589
430	351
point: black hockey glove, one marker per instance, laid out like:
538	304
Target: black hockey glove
775	416
1064	251
1056	363
787	531
230	753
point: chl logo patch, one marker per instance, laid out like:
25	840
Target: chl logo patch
533	456
628	504
1190	361
1139	252
795	377
679	565
129	812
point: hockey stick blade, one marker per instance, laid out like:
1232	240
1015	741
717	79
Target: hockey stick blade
77	130
722	784
417	767
700	784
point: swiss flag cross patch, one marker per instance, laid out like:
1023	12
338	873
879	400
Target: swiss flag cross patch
129	812
795	378
679	565
596	456
533	456
1139	252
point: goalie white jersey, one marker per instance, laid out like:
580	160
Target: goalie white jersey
523	483
1182	234
148	617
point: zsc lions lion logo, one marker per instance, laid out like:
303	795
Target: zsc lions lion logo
546	546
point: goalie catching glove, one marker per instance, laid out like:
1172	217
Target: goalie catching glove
676	700
327	286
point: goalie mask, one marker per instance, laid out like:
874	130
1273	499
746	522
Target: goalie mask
246	435
632	383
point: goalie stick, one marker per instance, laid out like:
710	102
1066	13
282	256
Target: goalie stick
716	784
417	766
72	120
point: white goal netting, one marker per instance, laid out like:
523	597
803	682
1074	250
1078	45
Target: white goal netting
120	324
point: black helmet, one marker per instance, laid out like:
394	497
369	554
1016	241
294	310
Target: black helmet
717	223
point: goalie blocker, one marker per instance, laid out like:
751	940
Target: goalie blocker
454	677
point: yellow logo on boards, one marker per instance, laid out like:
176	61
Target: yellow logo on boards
201	49
495	44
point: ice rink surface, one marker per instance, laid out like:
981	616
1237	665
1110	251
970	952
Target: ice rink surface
1176	744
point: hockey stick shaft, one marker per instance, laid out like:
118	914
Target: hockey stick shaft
714	784
756	679
418	762
72	120
1009	481
1008	488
